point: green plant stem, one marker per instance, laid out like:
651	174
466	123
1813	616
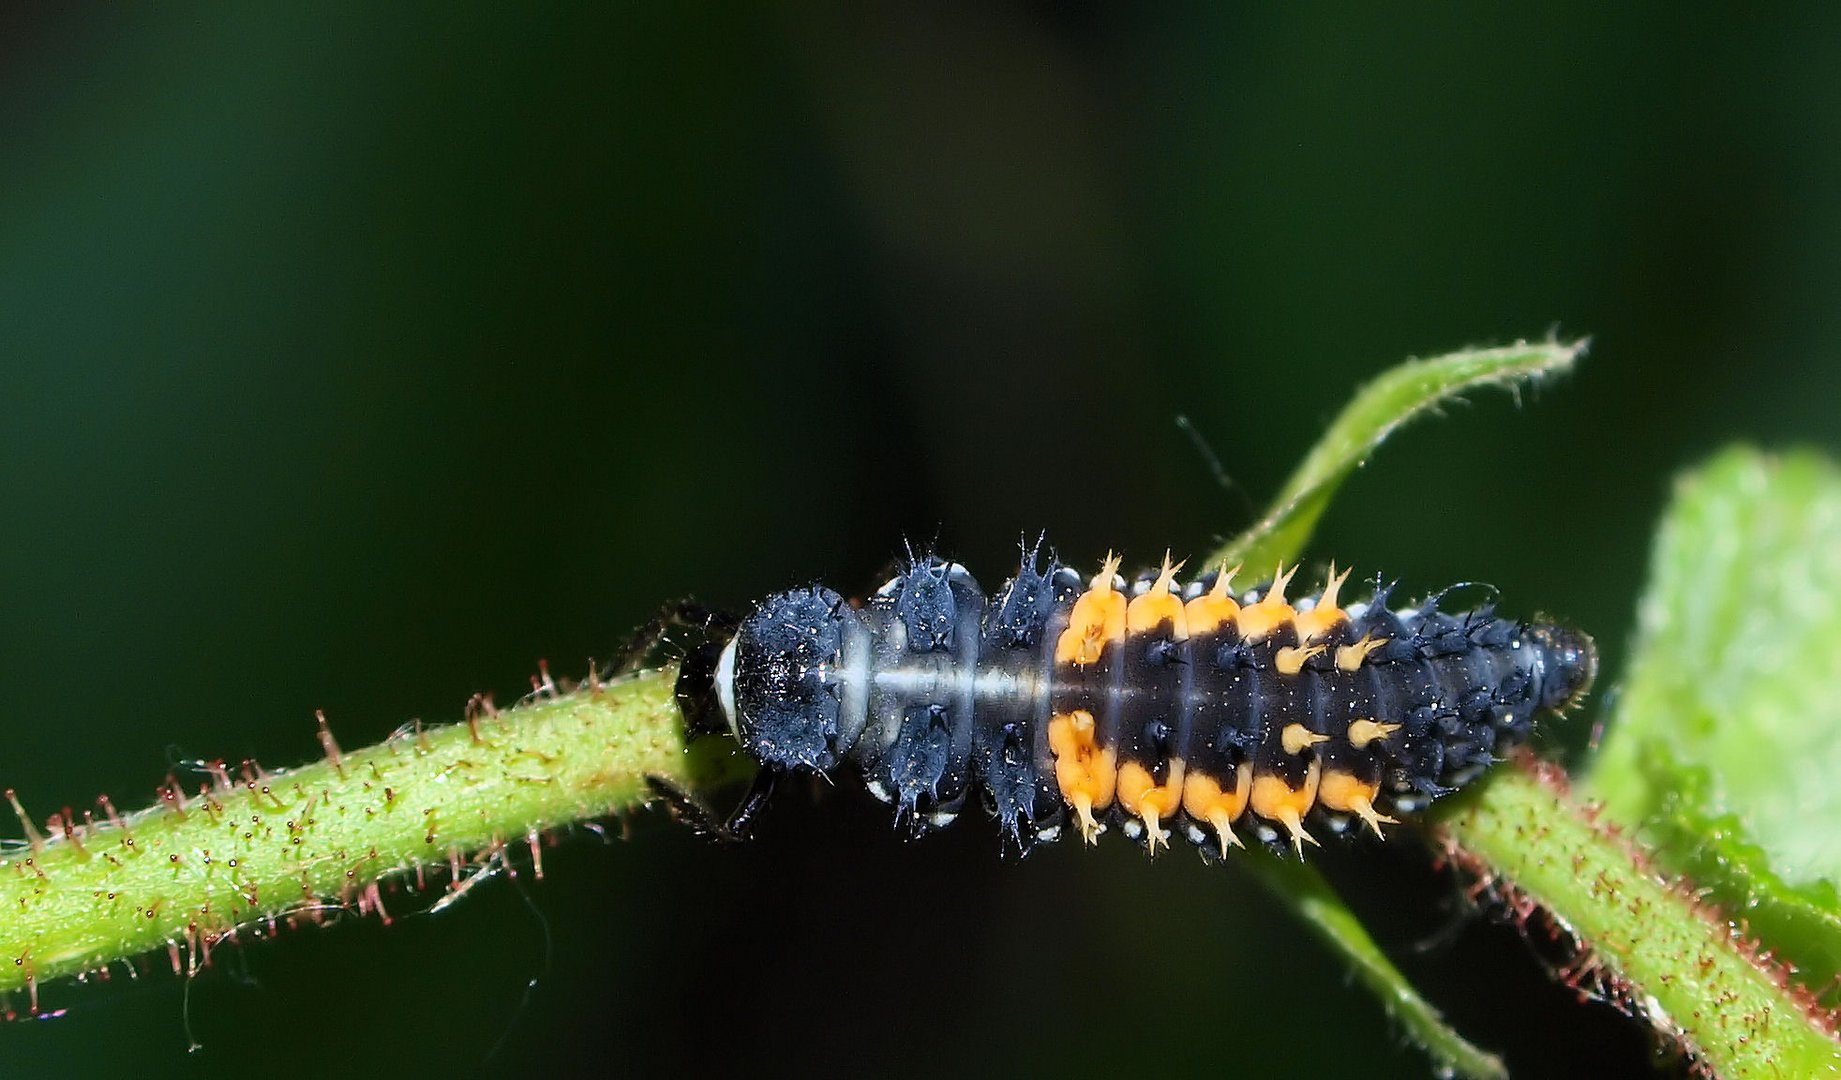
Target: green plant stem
198	867
1663	951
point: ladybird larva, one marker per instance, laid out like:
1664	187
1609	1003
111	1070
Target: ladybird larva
1157	706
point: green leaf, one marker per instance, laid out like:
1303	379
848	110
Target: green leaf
1376	411
1727	742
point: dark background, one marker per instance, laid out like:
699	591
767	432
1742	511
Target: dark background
355	359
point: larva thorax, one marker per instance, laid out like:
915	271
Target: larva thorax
1153	705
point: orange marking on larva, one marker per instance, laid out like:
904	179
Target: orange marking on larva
1255	621
1326	616
1296	738
1214	608
1159	605
1341	791
1290	659
1350	657
1098	617
1086	774
1204	800
1142	797
1365	731
1275	800
1108	570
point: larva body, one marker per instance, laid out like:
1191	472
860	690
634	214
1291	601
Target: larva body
1157	706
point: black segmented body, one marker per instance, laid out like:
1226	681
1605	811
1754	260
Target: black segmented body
932	691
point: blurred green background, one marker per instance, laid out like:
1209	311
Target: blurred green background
355	358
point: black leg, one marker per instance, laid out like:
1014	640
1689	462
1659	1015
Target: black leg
741	819
692	636
643	649
694	812
689	809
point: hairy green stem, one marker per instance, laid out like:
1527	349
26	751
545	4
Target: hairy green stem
250	846
1656	945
